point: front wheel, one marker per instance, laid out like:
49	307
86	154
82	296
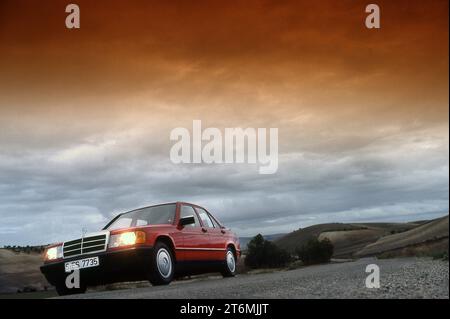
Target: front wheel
229	269
162	265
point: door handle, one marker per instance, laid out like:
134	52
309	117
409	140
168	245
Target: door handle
204	230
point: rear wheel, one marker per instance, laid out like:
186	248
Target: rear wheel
229	269
162	265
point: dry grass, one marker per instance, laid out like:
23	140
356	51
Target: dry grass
300	237
434	248
415	238
346	238
19	270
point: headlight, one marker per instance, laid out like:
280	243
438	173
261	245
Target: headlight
53	253
126	239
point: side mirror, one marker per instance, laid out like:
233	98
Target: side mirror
188	220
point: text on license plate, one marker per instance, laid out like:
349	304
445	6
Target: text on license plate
81	263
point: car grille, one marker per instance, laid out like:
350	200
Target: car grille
84	245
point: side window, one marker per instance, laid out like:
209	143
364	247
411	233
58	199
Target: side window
214	221
205	218
189	211
141	222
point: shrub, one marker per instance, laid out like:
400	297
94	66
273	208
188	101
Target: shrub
262	253
441	256
315	251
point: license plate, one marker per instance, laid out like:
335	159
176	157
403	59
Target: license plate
81	263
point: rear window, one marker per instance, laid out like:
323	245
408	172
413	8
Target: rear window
156	215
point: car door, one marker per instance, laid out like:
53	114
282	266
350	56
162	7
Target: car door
216	243
195	237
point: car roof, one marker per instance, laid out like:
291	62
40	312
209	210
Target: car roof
144	207
169	203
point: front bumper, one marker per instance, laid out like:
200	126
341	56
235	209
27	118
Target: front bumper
114	266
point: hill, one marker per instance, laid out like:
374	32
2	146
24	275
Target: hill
300	237
19	270
347	238
430	237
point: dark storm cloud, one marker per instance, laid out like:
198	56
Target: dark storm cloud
85	185
85	116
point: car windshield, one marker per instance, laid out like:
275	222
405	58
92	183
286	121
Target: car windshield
155	215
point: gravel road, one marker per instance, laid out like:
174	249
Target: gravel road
399	278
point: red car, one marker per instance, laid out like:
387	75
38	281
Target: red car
155	243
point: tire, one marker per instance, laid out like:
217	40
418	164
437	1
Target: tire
62	290
229	268
162	265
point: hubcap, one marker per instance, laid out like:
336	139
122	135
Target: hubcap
164	263
230	261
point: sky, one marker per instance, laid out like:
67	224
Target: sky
86	114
